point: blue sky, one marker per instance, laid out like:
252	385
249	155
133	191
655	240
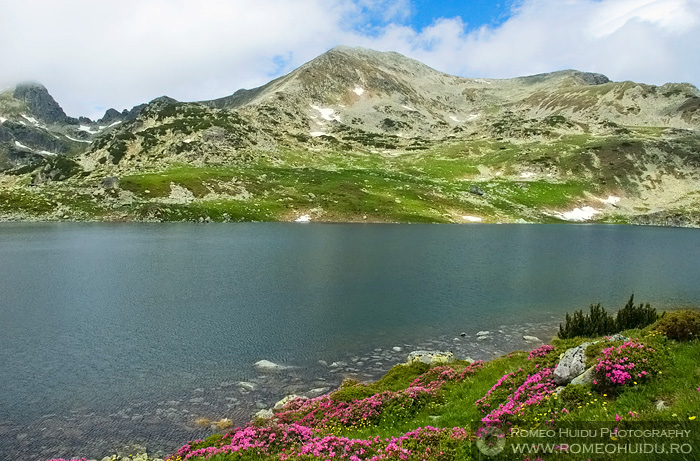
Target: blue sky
119	53
475	12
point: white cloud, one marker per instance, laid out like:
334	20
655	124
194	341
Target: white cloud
120	53
93	55
642	40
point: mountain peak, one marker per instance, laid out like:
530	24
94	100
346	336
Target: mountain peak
585	78
41	104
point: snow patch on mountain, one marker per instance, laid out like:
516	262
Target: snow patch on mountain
579	214
326	113
31	120
87	129
77	140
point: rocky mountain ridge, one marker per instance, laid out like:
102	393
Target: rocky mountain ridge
34	128
578	136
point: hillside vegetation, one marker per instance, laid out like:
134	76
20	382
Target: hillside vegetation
359	135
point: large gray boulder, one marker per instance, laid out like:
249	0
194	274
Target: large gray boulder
585	378
110	183
431	357
571	365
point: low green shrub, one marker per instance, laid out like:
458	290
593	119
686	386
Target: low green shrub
631	316
683	325
599	323
575	395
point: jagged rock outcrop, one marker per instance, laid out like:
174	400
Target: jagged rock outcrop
41	104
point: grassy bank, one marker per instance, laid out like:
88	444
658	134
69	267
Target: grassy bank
647	380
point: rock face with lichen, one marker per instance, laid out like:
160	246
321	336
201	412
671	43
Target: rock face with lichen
571	365
431	357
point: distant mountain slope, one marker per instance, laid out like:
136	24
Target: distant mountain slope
381	92
34	128
361	134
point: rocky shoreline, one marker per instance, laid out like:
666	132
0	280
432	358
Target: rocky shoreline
153	430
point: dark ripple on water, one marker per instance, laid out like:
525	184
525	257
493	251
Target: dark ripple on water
162	427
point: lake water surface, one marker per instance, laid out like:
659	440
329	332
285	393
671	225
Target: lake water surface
151	325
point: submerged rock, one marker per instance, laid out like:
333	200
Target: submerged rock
271	366
245	385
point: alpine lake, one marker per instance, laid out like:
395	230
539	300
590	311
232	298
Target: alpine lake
124	337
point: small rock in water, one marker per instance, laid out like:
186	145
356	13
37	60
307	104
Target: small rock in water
247	386
483	333
267	365
323	363
463	334
533	339
318	391
397	349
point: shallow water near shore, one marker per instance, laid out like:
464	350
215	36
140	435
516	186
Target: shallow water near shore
118	334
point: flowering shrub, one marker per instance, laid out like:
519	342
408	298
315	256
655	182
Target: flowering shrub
628	363
326	412
541	351
438	376
536	387
499	391
288	442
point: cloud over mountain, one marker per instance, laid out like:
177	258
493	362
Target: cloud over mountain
98	55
